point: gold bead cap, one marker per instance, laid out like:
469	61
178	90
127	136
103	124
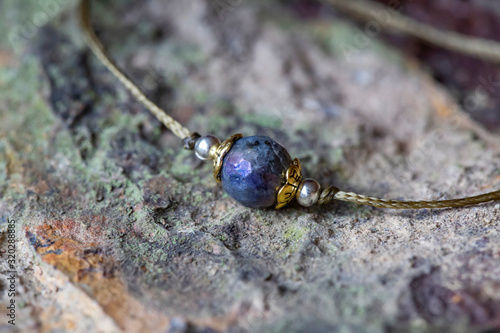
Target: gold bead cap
293	178
221	152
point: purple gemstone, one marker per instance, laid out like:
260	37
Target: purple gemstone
253	171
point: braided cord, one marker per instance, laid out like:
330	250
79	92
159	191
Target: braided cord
332	193
390	19
100	52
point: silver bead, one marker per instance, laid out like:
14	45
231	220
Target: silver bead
206	146
308	192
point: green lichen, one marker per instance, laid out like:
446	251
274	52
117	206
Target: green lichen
293	235
219	123
21	21
196	198
262	120
25	121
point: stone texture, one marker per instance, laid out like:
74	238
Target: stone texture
119	229
253	171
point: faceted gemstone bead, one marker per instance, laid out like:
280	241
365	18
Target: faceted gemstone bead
253	171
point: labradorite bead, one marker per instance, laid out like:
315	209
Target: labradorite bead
253	171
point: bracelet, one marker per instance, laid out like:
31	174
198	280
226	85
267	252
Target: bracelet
256	171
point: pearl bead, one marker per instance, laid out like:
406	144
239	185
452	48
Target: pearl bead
206	147
308	192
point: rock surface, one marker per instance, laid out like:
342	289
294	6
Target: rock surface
119	229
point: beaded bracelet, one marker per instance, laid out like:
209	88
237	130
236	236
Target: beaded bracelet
256	171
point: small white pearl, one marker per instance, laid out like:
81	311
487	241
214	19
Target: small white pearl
308	192
205	147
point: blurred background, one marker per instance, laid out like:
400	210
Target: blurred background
462	75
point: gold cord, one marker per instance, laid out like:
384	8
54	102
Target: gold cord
100	52
332	193
390	19
476	47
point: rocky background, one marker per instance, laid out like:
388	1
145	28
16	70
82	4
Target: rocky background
121	230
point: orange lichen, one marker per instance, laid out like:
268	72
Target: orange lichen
85	265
